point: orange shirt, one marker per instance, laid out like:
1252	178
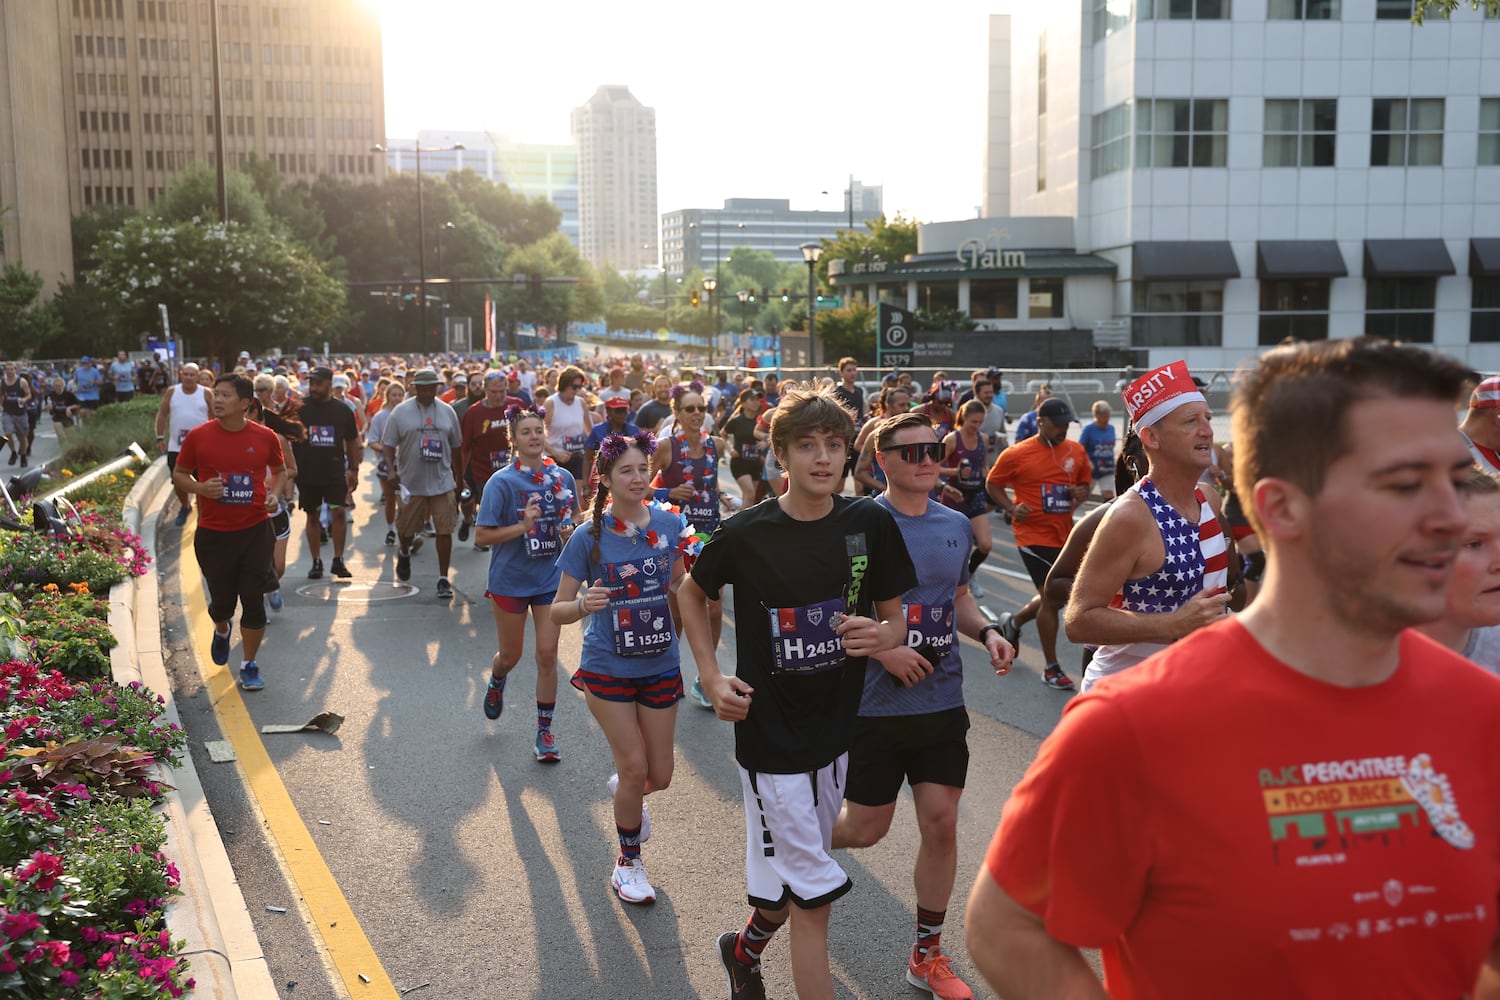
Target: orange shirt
1221	825
1040	476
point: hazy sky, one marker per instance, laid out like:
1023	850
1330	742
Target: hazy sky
776	99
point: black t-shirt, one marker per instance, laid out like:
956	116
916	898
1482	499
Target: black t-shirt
58	403
741	433
790	578
320	457
651	414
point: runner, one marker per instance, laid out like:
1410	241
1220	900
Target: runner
87	381
746	463
893	401
938	406
1158	567
914	731
569	419
1098	439
1470	625
390	397
1481	426
660	406
328	468
122	377
629	666
183	407
616	421
818	580
485	447
1187	818
63	405
964	453
525	516
287	431
422	446
225	462
16	393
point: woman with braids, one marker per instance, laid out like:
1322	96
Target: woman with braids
686	475
390	396
631	557
288	430
965	464
525	516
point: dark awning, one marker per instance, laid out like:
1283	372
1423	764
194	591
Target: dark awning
1484	258
1407	259
1299	259
1195	260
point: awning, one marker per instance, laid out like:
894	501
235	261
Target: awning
1299	259
1407	259
1195	260
1484	258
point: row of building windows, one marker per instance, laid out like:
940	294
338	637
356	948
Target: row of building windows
104	121
1299	132
99	195
343	55
103	46
166	86
169	49
1110	16
102	9
279	16
169	160
167	124
350	93
101	84
288	55
105	159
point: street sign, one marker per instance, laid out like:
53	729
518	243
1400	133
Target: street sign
893	344
829	302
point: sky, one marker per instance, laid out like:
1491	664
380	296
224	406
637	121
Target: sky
776	99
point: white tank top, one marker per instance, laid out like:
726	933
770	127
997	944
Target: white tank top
568	431
184	412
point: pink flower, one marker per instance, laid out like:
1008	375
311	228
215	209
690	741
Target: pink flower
18	925
46	867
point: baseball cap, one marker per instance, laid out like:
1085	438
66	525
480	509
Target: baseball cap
85	359
302	366
617	403
945	391
319	374
1056	411
341	381
426	376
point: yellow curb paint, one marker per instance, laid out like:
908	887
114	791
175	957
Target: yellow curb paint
348	950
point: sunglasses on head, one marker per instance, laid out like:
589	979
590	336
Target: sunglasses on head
694	409
914	453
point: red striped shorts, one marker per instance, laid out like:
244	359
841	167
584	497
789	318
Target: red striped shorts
661	691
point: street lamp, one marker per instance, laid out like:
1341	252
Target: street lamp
445	227
711	285
744	298
810	253
421	223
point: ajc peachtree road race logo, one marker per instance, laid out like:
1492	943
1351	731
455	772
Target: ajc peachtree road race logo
1327	806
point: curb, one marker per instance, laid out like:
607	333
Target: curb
210	915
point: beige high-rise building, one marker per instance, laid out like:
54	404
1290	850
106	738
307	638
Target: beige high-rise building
617	218
103	101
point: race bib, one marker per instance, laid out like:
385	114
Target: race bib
702	511
803	640
643	629
432	449
239	488
320	435
750	450
499	459
1056	499
930	625
182	433
574	442
541	540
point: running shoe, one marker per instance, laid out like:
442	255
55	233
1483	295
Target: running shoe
630	882
338	569
935	974
390	537
699	696
1054	678
416	544
444	589
1010	631
219	648
744	980
182	516
612	784
316	573
403	567
546	747
974	587
463	529
494	698
13	457
23	461
274	599
250	678
430	530
481	548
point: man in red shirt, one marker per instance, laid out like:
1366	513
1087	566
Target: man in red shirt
486	444
1048	476
225	462
1298	801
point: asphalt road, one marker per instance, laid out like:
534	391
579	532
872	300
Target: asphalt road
476	872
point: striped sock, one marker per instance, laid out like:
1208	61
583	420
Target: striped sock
544	715
630	843
753	939
929	930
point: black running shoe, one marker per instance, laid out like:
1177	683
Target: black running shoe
403	566
463	529
338	569
1010	631
745	982
390	538
444	589
316	573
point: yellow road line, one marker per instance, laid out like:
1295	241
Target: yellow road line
347	948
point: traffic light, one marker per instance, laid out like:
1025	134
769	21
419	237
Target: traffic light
820	295
751	296
786	295
693	299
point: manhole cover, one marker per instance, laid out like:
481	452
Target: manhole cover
358	593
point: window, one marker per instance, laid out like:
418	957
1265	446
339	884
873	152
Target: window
937	295
1111	140
1406	132
1186	10
1182	133
1489	132
1400	308
1110	16
1041	113
1393	10
1301	133
993	298
1484	321
1045	299
1178	314
1295	309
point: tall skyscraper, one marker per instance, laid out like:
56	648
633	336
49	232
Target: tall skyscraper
616	139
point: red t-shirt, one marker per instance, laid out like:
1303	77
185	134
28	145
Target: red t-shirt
1040	476
1223	826
487	436
242	458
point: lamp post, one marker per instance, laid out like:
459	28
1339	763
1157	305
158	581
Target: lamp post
849	203
810	253
443	312
421	224
711	285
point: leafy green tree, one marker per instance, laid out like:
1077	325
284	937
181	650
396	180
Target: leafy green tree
194	194
290	207
87	323
28	324
889	240
1445	8
848	331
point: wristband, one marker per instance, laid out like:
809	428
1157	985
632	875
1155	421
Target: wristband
991	627
161	437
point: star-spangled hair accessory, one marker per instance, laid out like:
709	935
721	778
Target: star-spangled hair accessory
1159	392
615	445
516	411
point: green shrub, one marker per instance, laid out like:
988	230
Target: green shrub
110	430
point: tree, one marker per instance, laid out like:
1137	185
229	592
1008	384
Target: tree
848	331
194	194
888	240
1445	8
28	324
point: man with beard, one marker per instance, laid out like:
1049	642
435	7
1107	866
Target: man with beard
327	469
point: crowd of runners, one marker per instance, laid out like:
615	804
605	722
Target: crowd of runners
1247	814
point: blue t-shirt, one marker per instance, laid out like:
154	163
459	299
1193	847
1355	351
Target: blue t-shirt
633	636
526	566
939	543
601	431
1026	426
87	380
1099	442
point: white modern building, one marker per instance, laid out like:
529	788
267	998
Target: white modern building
699	237
1258	169
617	213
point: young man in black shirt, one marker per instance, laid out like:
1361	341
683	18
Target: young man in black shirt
327	468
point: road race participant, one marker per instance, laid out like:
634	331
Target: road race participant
893	401
965	454
1481	426
1026	427
1049	476
485	431
327	468
616	421
63	405
686	474
660	406
525	517
16	393
287	431
422	447
87	381
1470	625
183	407
746	463
938	406
1158	567
225	462
996	423
1221	767
1098	439
627	560
390	397
122	377
817	581
569	420
913	730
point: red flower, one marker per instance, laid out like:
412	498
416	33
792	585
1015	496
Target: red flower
18	925
46	867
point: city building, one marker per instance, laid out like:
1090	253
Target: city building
697	237
532	169
616	139
1259	169
997	133
110	98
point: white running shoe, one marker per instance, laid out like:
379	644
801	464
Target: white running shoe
974	587
631	884
612	784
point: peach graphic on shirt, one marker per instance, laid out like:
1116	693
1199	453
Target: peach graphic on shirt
1435	795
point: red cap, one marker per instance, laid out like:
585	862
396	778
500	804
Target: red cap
1159	392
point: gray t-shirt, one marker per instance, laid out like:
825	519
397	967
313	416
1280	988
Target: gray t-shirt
1484	647
425	438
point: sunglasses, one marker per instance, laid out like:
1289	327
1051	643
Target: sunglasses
694	409
914	453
